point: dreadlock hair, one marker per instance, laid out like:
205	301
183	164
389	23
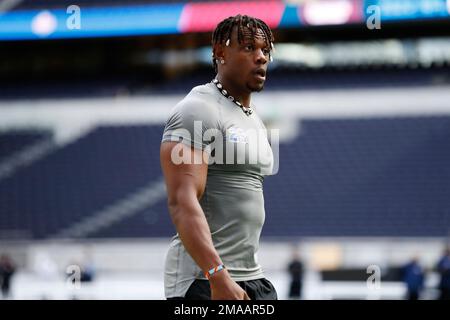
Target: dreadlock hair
222	33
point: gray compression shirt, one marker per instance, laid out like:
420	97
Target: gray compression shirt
233	202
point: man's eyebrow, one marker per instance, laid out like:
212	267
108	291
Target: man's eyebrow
253	39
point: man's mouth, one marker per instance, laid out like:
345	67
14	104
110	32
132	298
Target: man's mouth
260	73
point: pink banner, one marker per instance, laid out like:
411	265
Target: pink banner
203	17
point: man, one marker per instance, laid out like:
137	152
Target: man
215	194
295	269
7	270
443	268
413	277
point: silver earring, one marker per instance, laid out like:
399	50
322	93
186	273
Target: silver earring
222	61
227	43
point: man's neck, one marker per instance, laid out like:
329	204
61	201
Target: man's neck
240	94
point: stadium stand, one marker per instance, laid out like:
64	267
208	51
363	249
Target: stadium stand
79	179
15	141
358	177
279	78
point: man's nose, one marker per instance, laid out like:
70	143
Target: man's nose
260	57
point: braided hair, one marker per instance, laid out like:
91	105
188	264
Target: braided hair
223	31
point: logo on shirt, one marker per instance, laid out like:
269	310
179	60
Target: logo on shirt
237	135
250	146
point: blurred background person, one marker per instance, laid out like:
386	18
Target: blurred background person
7	270
295	270
443	268
413	277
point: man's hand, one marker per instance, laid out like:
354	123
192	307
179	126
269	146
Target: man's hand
225	288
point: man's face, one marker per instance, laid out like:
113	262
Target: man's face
246	62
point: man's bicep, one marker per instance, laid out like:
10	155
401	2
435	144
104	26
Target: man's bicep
185	169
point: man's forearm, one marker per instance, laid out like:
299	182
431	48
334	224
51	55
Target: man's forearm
194	232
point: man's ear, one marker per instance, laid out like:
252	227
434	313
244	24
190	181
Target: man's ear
219	52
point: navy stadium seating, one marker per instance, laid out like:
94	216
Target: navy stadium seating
15	141
340	177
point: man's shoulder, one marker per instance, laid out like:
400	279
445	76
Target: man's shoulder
201	99
202	92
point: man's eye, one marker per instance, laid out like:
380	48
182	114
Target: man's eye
266	52
249	47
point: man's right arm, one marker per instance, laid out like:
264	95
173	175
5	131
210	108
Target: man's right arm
185	186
